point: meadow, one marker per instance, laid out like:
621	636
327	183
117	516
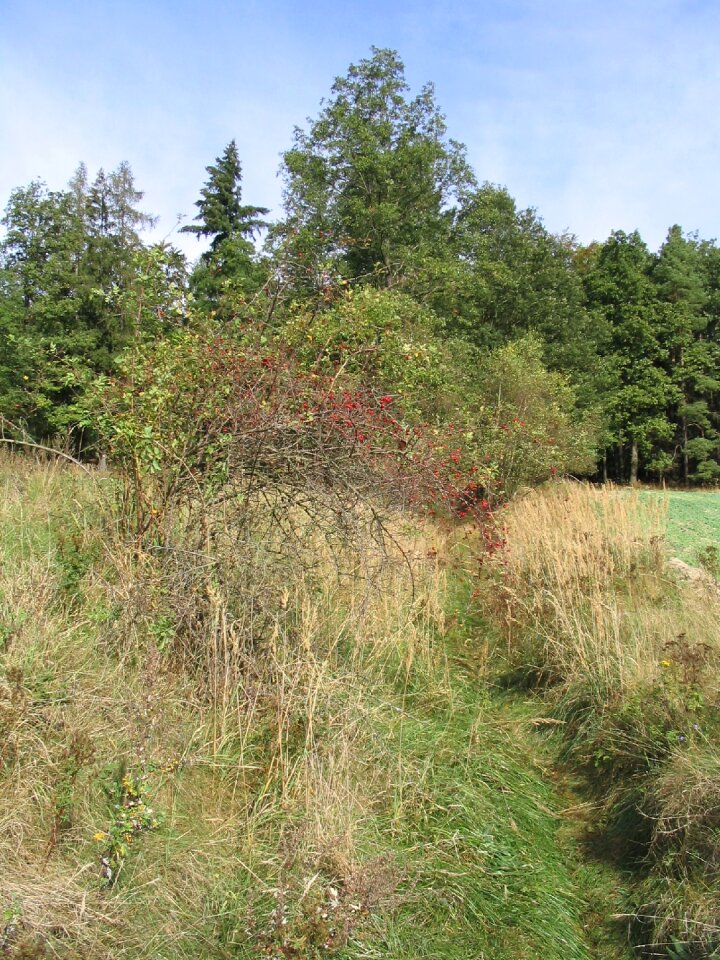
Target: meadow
693	521
345	790
382	753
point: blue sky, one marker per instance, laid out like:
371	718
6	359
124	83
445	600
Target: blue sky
601	114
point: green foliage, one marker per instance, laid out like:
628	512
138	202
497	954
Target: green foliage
514	277
528	426
621	296
154	300
131	816
659	355
380	338
42	343
228	271
694	355
508	412
376	196
108	226
151	419
200	417
370	186
222	215
62	256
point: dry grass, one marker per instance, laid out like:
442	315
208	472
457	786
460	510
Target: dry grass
330	782
628	656
242	691
586	594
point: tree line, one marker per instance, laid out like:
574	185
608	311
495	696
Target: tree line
389	251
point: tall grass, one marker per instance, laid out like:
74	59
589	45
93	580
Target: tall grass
579	595
254	747
628	657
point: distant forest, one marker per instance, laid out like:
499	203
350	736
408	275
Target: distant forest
394	263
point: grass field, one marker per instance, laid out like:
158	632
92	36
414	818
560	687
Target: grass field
364	796
693	521
361	782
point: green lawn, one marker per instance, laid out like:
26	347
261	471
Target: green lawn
693	521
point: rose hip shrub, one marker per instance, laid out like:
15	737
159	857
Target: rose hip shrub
238	468
202	418
505	409
380	338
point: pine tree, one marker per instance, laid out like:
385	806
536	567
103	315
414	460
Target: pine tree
227	271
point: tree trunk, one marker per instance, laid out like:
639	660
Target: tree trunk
604	467
686	465
633	463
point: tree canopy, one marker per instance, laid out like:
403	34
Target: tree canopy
390	260
371	185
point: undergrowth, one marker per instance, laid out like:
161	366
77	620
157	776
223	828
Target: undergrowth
267	748
627	658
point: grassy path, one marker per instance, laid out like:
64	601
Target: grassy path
492	833
563	894
426	767
597	884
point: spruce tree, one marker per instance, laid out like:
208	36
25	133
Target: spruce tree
694	354
640	393
227	271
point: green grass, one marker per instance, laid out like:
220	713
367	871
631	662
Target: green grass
477	828
693	521
474	827
448	785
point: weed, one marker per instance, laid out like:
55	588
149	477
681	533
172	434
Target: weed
76	554
131	816
78	754
313	917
